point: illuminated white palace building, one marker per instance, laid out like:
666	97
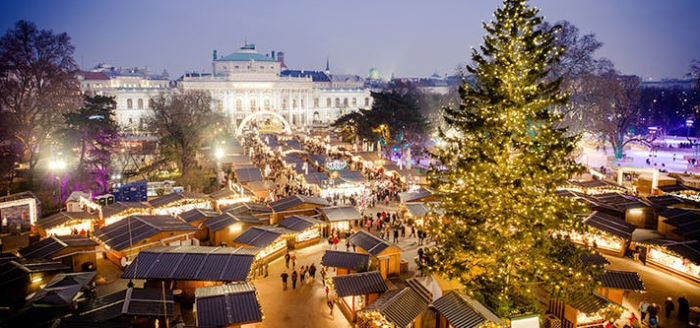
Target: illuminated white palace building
243	85
246	84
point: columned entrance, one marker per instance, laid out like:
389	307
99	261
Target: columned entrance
262	115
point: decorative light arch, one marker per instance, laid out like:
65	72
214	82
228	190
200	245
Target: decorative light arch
246	120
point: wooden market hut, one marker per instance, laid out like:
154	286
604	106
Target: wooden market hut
128	307
419	195
616	285
295	205
19	278
261	189
123	240
196	217
345	262
356	291
415	176
585	311
306	230
227	226
191	267
417	212
368	160
269	241
634	210
64	223
387	256
669	201
680	258
614	234
178	202
117	211
63	289
227	196
245	175
78	252
456	309
396	308
340	218
315	180
672	222
232	305
259	210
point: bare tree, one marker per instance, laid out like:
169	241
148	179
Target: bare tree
184	120
37	79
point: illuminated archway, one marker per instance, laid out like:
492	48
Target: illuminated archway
287	128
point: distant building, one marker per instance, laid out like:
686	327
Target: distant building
246	82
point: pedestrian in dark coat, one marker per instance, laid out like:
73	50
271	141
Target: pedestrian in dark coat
284	276
312	271
669	307
653	310
294	279
286	259
683	309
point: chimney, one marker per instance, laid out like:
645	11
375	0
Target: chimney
280	58
273	55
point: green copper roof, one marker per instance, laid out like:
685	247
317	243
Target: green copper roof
246	56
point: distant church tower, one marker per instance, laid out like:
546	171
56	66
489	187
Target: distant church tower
328	65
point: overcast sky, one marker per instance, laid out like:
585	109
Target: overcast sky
649	38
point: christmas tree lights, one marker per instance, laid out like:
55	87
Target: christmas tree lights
504	165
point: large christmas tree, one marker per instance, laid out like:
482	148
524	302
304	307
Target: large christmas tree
504	158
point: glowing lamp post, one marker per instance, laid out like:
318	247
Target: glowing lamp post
57	167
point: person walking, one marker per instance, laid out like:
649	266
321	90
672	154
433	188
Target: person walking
286	259
643	308
653	311
294	262
323	275
284	276
330	305
302	274
396	235
683	309
294	279
669	307
327	290
312	271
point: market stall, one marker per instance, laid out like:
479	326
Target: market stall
681	258
176	203
611	235
587	311
232	194
67	223
307	230
395	308
454	306
345	262
118	211
270	241
340	218
224	228
387	256
356	291
295	205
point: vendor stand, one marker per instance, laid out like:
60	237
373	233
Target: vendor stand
307	230
612	234
345	262
270	241
587	311
357	291
681	258
387	256
455	307
224	228
118	211
340	218
176	203
67	223
228	196
396	308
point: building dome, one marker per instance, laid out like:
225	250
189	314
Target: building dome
246	53
373	73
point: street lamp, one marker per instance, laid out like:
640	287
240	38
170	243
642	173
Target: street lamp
57	167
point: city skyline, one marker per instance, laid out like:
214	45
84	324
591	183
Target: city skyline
407	39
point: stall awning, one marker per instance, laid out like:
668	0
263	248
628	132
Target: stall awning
192	263
262	236
345	260
197	214
590	304
118	236
227	305
341	213
248	174
62	289
689	250
299	223
62	218
317	178
45	248
228	219
594	258
369	242
400	307
417	209
166	200
352	176
611	224
360	284
463	312
296	200
626	280
119	207
416	195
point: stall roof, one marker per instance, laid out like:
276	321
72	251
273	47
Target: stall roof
46	247
346	260
417	209
611	224
296	200
61	218
249	208
621	201
360	284
248	174
119	207
11	271
689	249
261	236
418	287
369	242
665	200
317	178
192	263
227	219
226	193
227	305
594	258
590	304
626	280
318	159
166	200
299	223
118	236
464	312
197	214
679	217
261	185
62	289
142	302
415	195
340	213
675	188
368	156
352	176
236	160
400	307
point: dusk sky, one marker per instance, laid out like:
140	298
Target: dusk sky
650	38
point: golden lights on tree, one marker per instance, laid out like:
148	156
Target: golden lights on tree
501	170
